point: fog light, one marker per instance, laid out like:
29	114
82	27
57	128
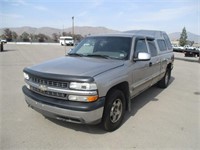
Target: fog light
82	98
28	86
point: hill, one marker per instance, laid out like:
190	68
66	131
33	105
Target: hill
85	30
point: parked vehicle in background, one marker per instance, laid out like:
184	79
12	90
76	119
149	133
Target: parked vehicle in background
191	52
66	40
189	47
178	48
97	80
198	48
3	41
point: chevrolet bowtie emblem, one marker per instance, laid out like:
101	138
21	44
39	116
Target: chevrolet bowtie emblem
43	87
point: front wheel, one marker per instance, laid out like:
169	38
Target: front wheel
114	110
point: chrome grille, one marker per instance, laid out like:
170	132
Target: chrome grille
49	93
50	83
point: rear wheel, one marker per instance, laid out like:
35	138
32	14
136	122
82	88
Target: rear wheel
114	110
164	82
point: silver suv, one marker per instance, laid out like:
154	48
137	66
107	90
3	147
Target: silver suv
97	80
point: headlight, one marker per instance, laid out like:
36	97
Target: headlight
82	86
83	98
26	76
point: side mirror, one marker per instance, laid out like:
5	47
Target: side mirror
68	51
143	57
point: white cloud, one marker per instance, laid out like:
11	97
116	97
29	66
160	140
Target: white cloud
42	8
97	3
164	14
120	14
12	16
82	14
25	3
18	2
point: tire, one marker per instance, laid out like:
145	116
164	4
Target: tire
114	110
164	82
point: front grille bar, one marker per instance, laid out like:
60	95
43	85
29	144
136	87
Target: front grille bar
49	93
59	90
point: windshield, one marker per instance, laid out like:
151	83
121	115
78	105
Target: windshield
104	47
68	39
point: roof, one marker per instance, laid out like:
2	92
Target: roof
114	35
145	33
152	33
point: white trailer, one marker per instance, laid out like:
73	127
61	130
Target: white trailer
66	40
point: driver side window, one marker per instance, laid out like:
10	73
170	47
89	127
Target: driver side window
140	47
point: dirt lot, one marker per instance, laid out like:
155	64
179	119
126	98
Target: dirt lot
160	119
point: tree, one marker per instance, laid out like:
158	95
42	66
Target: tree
183	37
64	33
78	37
25	37
190	43
8	34
14	35
55	37
42	37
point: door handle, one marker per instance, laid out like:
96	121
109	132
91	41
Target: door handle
150	64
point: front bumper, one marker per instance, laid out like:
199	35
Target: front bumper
77	112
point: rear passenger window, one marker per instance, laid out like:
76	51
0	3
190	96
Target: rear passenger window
162	46
140	47
169	45
152	48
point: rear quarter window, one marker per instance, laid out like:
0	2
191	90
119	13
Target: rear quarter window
162	45
152	48
167	40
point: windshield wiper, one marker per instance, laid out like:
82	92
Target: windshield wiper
75	54
98	55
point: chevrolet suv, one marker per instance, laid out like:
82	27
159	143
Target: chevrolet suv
96	81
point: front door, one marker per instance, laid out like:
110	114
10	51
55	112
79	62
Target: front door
141	70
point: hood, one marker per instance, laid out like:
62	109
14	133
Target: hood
78	66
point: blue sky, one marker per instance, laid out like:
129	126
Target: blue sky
168	15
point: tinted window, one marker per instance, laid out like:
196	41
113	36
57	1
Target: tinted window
114	47
152	48
169	45
162	46
140	47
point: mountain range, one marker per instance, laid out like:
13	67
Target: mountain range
85	30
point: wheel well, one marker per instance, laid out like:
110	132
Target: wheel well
124	87
169	66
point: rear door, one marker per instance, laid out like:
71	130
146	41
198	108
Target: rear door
163	55
155	61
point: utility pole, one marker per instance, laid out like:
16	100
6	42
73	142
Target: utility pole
73	26
62	30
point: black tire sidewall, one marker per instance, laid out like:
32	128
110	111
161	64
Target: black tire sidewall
111	97
162	83
169	77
